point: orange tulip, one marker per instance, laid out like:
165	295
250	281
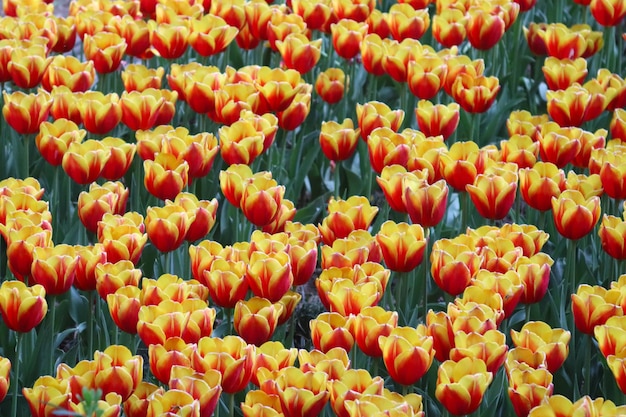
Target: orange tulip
407	22
117	370
172	401
48	395
123	241
65	104
316	15
484	29
54	139
54	268
540	183
560	405
618	124
302	394
593	306
576	104
210	35
108	198
357	11
269	275
112	276
539	337
493	195
523	123
435	120
83	162
261	203
461	385
353	385
338	140
613	236
490	347
607	12
369	325
461	164
22	308
166	176
124	307
574	215
402	245
99	113
70	72
273	356
28	65
375	114
475	94
331	330
105	49
256	319
561	73
231	356
535	278
204	387
372	54
344	216
528	388
170	40
299	53
164	357
136	33
167	226
407	348
330	85
137	77
454	264
347	36
449	27
26	112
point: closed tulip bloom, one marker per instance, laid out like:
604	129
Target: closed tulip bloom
521	122
611	336
369	325
391	182
299	53
613	236
352	385
575	216
5	369
558	405
226	282
540	337
123	243
204	388
316	15
47	396
561	73
172	401
170	40
138	77
65	104
528	388
167	226
54	139
449	27
256	319
124	307
22	308
576	104
166	176
347	36
231	356
437	119
120	159
331	330
408	22
540	183
607	12
461	164
112	276
372	54
105	49
439	327
588	185
484	29
346	297
618	124
190	320
140	110
387	147
475	94
83	162
26	112
493	195
269	276
163	357
28	65
70	72
397	56
117	370
374	114
93	205
99	112
535	278
454	264
136	33
210	35
333	363
461	385
261	404
338	140
330	85
521	150
402	245
302	394
593	306
20	247
54	268
490	347
613	176
273	356
559	145
240	143
407	348
261	203
345	216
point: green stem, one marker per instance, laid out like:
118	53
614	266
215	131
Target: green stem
90	323
53	314
587	375
337	178
571	267
399	278
426	277
16	375
232	405
528	311
464	197
609	42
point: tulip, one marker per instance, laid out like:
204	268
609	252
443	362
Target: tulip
5	369
589	186
164	357
407	348
261	203
116	370
170	40
124	307
92	205
607	12
167	226
613	176
166	176
454	264
484	29
112	276
137	77
357	11
540	183
26	112
372	54
65	104
461	164
535	278
99	113
105	49
171	287
461	385
407	22
54	139
539	337
331	330
20	246
226	282
613	236
302	394
344	216
273	356
618	124
435	120
528	388
369	325
375	114
449	27
402	245
204	388
22	308
28	65
352	385
172	401
269	275
576	104
490	347
330	86
54	268
241	143
574	215
475	94
593	306
523	123
136	33
231	356
84	161
316	15
298	52
47	396
561	73
124	242
560	405
210	35
256	319
333	363
70	72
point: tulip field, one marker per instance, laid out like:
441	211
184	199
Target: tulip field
301	208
